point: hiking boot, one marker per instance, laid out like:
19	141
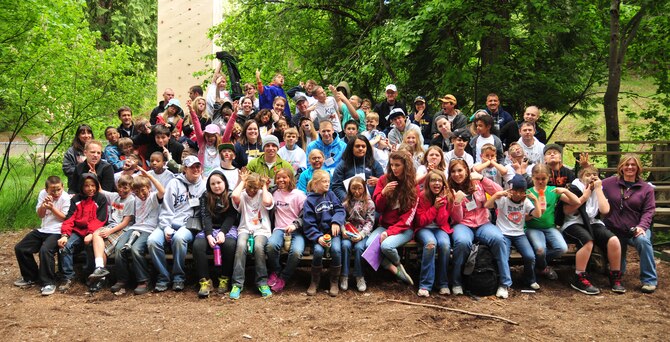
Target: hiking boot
344	283
534	286
403	275
142	288
118	286
100	272
178	286
96	285
360	284
444	291
316	279
582	284
48	290
205	288
616	283
67	283
648	288
502	292
423	293
457	290
161	287
272	279
265	291
549	273
235	292
223	285
24	283
279	285
334	276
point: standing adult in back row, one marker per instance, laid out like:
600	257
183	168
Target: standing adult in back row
384	108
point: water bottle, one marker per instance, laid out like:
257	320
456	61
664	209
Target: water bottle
287	242
250	244
131	240
327	238
542	199
217	255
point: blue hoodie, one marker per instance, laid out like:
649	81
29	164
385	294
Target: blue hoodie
334	151
319	212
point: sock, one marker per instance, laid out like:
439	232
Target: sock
578	272
99	262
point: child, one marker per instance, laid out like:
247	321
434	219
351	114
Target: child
126	148
432	230
280	127
360	213
159	169
483	125
489	166
350	130
52	205
433	159
291	152
254	202
412	140
264	122
459	141
112	154
513	206
541	231
219	223
130	167
288	203
87	213
323	215
377	139
121	211
132	245
583	227
307	132
227	155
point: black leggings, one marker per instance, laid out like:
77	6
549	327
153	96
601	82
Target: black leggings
200	251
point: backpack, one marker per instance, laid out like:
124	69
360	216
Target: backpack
480	273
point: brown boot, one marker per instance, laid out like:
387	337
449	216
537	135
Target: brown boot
316	279
334	277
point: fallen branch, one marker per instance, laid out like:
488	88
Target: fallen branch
454	310
415	335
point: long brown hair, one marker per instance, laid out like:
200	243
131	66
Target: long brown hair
442	165
212	198
350	197
427	193
405	195
467	186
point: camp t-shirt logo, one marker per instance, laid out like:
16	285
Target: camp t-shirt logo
324	206
515	217
281	204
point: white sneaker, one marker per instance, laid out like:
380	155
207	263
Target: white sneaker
502	292
360	284
457	290
423	293
444	291
535	286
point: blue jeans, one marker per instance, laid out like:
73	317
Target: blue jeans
140	266
335	253
274	247
540	239
644	249
241	260
438	239
359	248
390	245
523	246
179	243
73	246
487	234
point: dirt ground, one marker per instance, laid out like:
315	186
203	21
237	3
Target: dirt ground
556	312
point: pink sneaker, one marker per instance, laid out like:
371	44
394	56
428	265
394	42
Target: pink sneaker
279	285
272	279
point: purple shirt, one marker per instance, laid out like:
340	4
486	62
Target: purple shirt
628	207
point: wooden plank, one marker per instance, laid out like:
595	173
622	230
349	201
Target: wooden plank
621	153
612	142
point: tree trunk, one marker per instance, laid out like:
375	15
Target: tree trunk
611	97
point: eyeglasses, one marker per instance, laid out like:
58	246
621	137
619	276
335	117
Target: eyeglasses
435	181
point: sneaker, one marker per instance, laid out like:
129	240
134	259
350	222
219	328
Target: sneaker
96	285
582	284
161	287
423	293
444	291
223	285
67	283
142	288
118	286
616	283
648	288
265	291
502	292
205	288
549	273
178	286
48	290
403	275
344	283
279	285
457	290
272	279
360	284
534	286
100	272
24	283
235	292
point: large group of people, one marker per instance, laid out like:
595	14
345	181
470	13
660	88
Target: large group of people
248	177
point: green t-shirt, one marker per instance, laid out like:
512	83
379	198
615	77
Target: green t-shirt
546	221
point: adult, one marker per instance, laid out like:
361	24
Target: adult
330	144
384	108
127	127
325	109
302	110
395	200
449	111
269	161
422	118
249	146
443	138
75	154
532	147
181	201
396	135
357	159
560	176
532	114
269	92
95	165
194	92
168	94
471	219
499	115
633	207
